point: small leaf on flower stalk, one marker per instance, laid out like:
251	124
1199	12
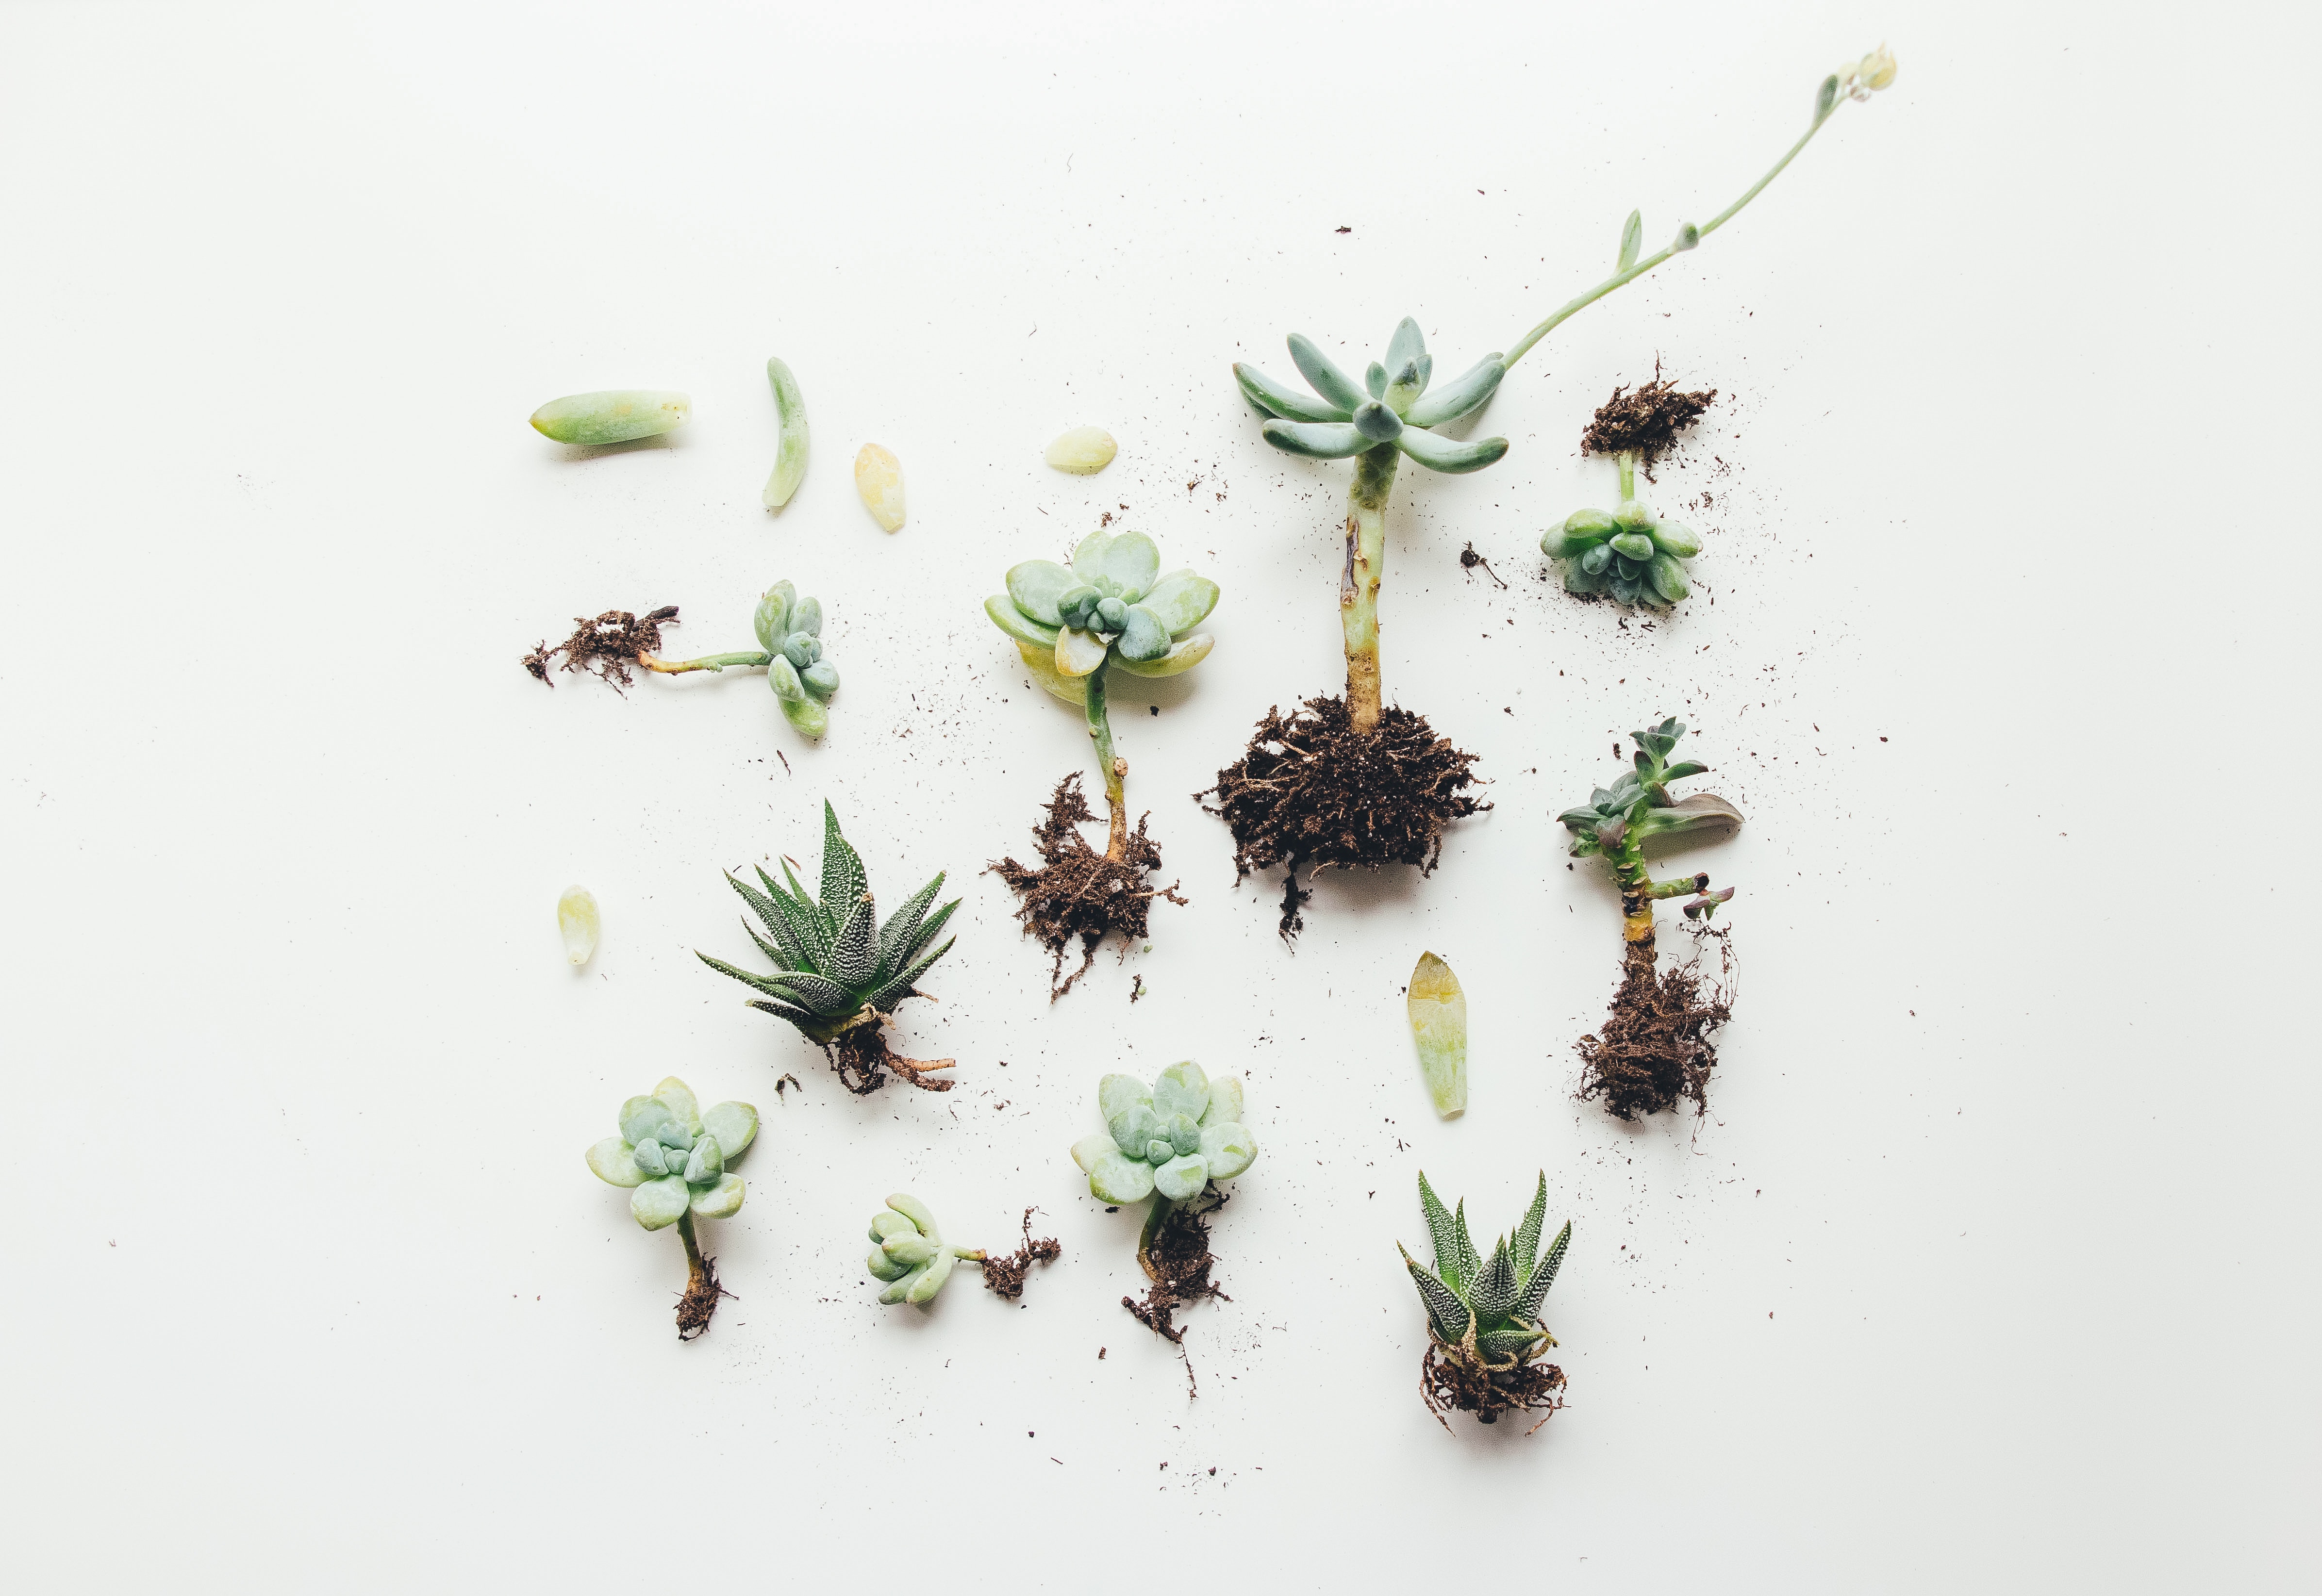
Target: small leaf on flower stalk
1632	239
1688	236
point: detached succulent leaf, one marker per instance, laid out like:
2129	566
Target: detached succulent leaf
1438	1009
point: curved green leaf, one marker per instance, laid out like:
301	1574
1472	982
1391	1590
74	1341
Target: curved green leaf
1441	454
1035	585
1322	439
659	1204
1183	600
1277	399
1018	626
1183	654
1325	377
733	1126
611	1161
1463	394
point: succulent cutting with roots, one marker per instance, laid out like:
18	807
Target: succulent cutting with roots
1485	1343
1654	1048
911	1255
1628	551
838	972
1352	780
1110	610
674	1157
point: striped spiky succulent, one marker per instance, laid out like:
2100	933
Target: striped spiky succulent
837	968
1488	1308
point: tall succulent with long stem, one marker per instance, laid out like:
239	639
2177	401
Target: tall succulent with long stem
838	972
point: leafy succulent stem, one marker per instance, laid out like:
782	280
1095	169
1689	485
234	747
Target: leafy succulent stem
1629	275
1154	1219
1358	584
1628	459
1115	769
705	662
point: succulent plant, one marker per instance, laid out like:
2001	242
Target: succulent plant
838	972
788	627
909	1252
1173	1137
672	1156
1617	822
1627	551
1483	1313
1111	609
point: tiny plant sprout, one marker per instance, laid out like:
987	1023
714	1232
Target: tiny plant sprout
912	1258
1439	1023
674	1158
1654	1048
790	436
838	972
790	633
1084	451
1173	1141
614	417
1111	610
576	919
1485	1338
1629	551
879	478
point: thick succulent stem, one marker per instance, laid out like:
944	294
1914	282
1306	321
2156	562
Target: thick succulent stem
707	662
694	1266
1637	896
1115	769
1154	1220
1631	274
1628	459
1358	584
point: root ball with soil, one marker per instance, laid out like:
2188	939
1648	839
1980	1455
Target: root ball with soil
1078	893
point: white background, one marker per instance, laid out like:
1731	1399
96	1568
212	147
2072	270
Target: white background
1992	1266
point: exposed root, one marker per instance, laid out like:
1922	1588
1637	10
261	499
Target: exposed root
1309	789
700	1298
1645	422
1177	1260
1455	1376
1654	1049
1004	1277
861	1059
608	645
1077	891
1469	559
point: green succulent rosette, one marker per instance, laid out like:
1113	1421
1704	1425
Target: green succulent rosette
674	1156
1110	608
1173	1137
789	629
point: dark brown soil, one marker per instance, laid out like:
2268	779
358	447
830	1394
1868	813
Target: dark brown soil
1178	1262
608	645
1453	1377
1469	559
700	1301
1005	1276
861	1058
1077	891
1309	789
1646	422
1654	1048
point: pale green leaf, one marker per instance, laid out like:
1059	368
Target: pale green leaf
658	1204
610	1160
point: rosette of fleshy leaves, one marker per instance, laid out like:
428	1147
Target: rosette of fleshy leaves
1342	419
1618	820
674	1155
789	629
1488	1307
1629	553
1109	607
909	1252
1171	1138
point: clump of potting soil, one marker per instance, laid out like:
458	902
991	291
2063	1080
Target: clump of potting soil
1454	1378
1004	1277
1177	1260
1645	422
1654	1049
1077	891
1313	791
608	645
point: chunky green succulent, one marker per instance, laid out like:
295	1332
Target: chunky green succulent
1397	409
1617	821
1111	607
836	966
1173	1137
674	1155
1490	1306
1627	552
910	1253
789	629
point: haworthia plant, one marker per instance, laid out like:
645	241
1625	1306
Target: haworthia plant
674	1158
1487	1305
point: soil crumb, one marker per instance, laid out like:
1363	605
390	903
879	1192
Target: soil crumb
1309	789
1654	1049
1646	422
1455	1376
1005	1276
1178	1261
608	645
1077	891
861	1059
699	1301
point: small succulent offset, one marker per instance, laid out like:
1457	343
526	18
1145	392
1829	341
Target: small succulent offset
838	972
1627	551
1617	822
674	1157
789	634
1485	1334
1169	1141
911	1256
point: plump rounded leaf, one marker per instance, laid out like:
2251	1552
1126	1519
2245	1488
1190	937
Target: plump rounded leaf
735	1125
1034	587
807	617
1272	399
884	1267
614	417
1078	652
1084	451
1086	1153
720	1200
878	481
1225	1101
820	680
651	1157
1375	422
1078	606
771	621
1158	1152
1443	454
705	1164
678	1098
609	1160
1577	580
938	1270
1181	601
1316	440
1590	526
1143	636
807	717
909	1250
644	1116
1129	559
1133	1128
1182	1088
1670	538
1229	1148
1636	545
913	1209
1117	1091
1183	654
1596	558
894	1293
800	650
1184	1135
1325	377
577	922
1018	626
1181	1178
783	677
1119	1178
1113	615
658	1204
1634	515
1040	665
1667	577
887	1222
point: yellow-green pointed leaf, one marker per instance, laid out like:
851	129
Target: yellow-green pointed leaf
1439	1023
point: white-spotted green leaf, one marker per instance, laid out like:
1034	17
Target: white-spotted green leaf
1018	626
1119	1178
1078	652
644	1116
1117	1092
1183	654
1143	638
679	1098
1443	1305
1438	1023
1470	1263
1182	601
1495	1291
1182	1088
1499	1345
1439	1232
1230	1150
720	1200
735	1125
1130	561
1089	1149
1225	1101
1525	1244
1034	587
1181	1178
855	954
658	1204
1536	1288
611	1161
